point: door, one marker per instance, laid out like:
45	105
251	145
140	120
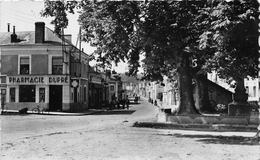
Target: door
55	97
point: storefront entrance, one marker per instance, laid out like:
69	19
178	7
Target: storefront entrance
55	97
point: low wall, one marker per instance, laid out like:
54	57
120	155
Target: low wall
203	119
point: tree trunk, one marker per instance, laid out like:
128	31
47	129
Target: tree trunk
186	105
201	94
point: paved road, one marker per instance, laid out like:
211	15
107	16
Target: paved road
110	135
17	126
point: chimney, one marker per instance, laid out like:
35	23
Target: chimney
8	27
39	32
13	36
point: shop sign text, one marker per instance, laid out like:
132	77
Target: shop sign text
38	80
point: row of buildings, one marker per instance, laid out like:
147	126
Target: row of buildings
40	68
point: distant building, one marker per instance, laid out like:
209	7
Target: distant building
252	89
251	86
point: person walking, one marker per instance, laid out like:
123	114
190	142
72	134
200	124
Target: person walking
127	102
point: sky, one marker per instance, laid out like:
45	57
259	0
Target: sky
23	15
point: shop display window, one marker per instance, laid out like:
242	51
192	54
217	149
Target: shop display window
27	93
12	94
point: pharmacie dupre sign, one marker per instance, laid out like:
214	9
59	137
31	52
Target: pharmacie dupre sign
37	80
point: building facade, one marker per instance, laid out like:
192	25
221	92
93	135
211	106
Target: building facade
96	89
40	68
251	86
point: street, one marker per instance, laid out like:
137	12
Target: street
110	135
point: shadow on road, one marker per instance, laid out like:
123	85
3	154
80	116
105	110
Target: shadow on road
217	139
116	112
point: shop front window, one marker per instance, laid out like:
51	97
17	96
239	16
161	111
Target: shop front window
24	65
57	65
27	93
12	94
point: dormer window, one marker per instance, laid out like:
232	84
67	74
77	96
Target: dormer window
24	65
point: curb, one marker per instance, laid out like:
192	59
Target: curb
199	127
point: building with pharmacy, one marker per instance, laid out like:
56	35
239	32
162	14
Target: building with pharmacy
40	68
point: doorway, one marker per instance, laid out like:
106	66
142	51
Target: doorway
55	98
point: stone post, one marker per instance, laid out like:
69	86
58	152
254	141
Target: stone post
239	106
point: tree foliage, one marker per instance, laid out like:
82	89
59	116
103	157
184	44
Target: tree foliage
58	9
110	27
232	36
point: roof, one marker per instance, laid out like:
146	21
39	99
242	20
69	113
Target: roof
215	84
28	38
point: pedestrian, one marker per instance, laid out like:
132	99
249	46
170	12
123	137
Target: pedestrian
155	103
123	103
118	104
113	104
127	102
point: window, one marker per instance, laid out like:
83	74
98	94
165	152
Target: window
112	88
57	65
2	79
24	65
12	94
42	95
27	93
254	91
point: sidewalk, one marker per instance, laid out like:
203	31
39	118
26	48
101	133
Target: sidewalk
196	127
60	113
